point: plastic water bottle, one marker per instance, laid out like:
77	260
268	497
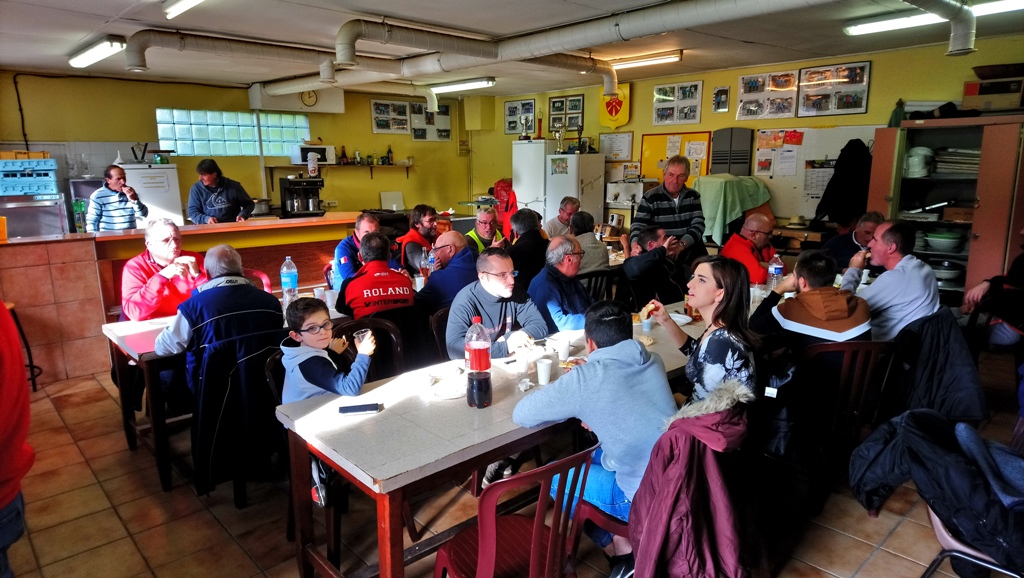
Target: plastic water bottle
289	281
478	347
775	272
432	261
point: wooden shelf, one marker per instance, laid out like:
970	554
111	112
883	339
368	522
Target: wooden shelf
271	168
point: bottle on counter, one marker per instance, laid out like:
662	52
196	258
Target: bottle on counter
344	156
776	270
289	281
79	211
359	159
391	156
425	268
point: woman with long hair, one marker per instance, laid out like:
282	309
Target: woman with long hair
720	290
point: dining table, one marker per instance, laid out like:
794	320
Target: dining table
424	435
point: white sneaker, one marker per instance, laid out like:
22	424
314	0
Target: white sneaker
498	470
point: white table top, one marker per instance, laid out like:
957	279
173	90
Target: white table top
418	433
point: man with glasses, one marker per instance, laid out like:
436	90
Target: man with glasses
422	230
163	276
456	269
376	286
560	224
752	248
510	321
485	233
557	293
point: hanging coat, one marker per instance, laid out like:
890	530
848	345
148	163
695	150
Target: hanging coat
846	195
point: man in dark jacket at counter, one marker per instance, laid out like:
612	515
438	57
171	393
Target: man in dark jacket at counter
456	269
559	296
511	321
216	198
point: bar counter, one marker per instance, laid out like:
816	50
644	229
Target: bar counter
65	287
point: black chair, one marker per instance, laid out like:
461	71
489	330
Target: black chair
439	327
388	358
413	325
600	284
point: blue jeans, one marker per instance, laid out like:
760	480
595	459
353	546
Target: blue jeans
601	491
12	526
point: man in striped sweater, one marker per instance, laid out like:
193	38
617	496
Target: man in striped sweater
676	208
115	205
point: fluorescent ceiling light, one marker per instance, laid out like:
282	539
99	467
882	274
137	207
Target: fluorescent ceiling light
648	59
107	46
913	18
471	84
173	8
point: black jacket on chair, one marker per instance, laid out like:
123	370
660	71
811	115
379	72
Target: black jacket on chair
234	429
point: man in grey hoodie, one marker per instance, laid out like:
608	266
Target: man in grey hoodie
622	395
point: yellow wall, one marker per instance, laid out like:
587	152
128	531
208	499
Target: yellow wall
58	109
91	109
913	74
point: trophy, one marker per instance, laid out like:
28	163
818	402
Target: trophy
579	138
522	122
559	133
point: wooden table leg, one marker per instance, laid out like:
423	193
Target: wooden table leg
158	419
124	393
302	501
389	534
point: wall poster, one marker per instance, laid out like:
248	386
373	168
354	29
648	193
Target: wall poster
767	95
514	109
565	112
835	89
390	116
435	126
678	103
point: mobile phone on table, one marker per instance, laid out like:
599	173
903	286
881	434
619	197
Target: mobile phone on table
364	408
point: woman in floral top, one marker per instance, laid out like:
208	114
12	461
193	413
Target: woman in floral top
719	289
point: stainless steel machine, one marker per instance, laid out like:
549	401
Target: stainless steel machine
301	198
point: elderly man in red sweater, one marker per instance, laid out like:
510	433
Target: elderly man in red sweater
159	279
752	248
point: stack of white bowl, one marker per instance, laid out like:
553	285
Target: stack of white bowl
919	160
919	242
944	241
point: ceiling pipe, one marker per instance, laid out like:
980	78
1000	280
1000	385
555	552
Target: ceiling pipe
961	20
384	33
135	52
582	65
368	69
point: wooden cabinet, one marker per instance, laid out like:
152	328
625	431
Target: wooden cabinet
994	192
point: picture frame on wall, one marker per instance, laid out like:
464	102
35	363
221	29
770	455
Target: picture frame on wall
556	105
678	103
514	110
555	121
574	103
836	89
572	121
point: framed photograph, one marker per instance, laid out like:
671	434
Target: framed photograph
720	99
768	95
678	103
514	111
390	116
556	105
834	90
431	126
574	103
573	121
555	121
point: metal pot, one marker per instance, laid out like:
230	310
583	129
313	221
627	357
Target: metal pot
262	207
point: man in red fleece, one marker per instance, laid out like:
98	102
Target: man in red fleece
16	456
421	235
752	248
375	287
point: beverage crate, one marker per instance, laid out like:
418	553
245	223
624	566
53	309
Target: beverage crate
18	155
28	177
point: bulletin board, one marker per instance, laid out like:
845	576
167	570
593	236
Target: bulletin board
655	149
796	164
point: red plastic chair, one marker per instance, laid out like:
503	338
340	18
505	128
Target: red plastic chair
953	548
256	274
607	522
518	545
329	275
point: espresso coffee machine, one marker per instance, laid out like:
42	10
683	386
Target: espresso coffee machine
301	198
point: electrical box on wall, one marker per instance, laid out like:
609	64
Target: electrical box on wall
327	99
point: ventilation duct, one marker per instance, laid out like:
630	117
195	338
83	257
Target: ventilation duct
135	52
384	33
961	21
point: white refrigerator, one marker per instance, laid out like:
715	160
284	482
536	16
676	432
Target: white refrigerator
157	186
528	174
580	176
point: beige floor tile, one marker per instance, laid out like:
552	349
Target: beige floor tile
92	394
58	457
797	569
118	559
121	463
848	516
38	394
135	485
887	565
57	481
913	541
65	507
289	569
919	514
901	501
21	557
832	551
49	438
104	378
95	427
224	560
32	574
267	545
88	411
363	542
266	504
44	422
156	509
41	407
73	385
180	538
446	510
425	569
103	445
77	536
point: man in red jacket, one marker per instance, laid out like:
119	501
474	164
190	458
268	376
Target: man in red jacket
421	235
752	248
155	282
375	287
16	456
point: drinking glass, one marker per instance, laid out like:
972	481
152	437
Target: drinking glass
361	335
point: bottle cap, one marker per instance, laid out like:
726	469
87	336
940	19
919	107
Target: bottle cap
477	319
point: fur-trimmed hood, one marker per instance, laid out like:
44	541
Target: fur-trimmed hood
719	420
723	397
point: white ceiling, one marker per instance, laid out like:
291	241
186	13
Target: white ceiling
39	35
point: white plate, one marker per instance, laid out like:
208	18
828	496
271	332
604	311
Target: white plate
449	389
680	319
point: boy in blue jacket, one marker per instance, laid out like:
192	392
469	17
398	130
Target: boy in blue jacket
312	357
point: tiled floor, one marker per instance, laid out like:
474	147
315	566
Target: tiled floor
96	509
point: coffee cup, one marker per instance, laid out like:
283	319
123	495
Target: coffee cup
543	371
331	298
561	348
320	294
647	325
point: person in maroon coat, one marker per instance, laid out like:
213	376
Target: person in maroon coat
683	488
